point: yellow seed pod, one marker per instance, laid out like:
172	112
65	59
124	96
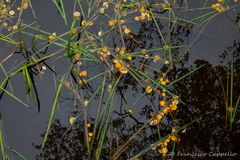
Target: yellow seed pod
76	14
90	134
11	12
130	111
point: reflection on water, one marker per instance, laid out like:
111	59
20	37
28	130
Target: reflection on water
203	94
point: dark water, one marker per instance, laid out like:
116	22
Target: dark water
202	93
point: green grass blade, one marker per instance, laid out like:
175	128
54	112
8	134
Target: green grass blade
17	153
53	111
2	145
14	97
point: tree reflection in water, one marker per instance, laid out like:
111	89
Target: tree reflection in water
202	92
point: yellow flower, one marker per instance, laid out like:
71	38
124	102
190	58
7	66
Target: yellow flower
123	70
163	83
112	22
142	9
175	102
89	23
173	107
3	10
122	21
77	56
15	27
174	138
156	58
118	65
52	37
90	134
173	130
88	125
83	73
118	5
149	89
166	47
127	30
105	49
137	18
166	6
72	120
83	23
130	111
162	103
25	5
129	57
102	10
165	110
163	150
163	94
159	117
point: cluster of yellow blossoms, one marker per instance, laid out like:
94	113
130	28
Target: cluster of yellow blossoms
144	15
120	67
219	6
167	108
162	146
